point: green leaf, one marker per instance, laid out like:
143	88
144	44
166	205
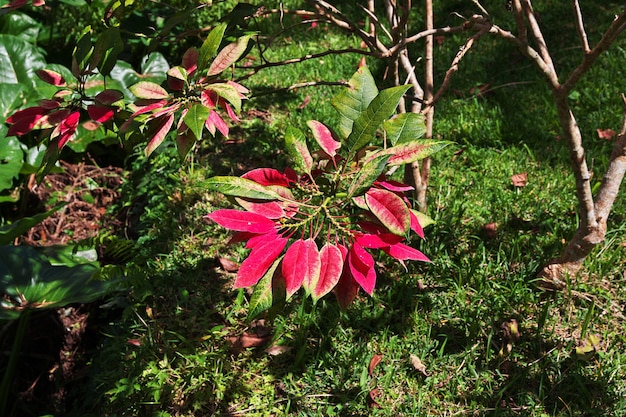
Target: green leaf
296	147
9	94
368	122
367	175
9	232
108	47
405	127
269	291
11	161
21	25
19	60
195	118
240	187
227	92
408	152
154	66
352	101
29	281
210	45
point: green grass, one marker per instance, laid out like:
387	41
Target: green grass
169	353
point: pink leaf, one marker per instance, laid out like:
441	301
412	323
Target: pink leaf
190	61
148	90
394	186
208	98
259	239
24	121
242	221
157	132
301	265
259	261
330	270
67	128
415	225
361	266
267	176
271	210
99	113
390	209
324	137
377	241
215	121
403	252
51	77
50	104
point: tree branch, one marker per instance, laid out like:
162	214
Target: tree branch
580	27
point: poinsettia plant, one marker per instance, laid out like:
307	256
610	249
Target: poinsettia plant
191	97
315	225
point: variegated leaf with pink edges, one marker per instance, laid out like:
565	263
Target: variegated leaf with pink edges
51	77
228	55
242	221
415	225
390	209
270	210
331	268
324	137
301	265
267	176
258	262
148	90
157	132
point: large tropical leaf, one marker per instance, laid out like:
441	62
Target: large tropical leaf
368	122
353	101
408	152
12	159
29	281
8	233
19	60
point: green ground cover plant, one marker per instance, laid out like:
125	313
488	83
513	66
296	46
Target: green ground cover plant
469	333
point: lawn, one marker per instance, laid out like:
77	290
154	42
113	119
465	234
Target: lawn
469	333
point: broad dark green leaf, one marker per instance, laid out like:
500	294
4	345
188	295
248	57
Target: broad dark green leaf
155	67
210	45
240	187
379	110
366	176
405	127
18	61
9	94
296	147
29	281
11	161
353	101
195	118
21	25
82	52
8	233
108	47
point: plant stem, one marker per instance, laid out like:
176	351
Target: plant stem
7	379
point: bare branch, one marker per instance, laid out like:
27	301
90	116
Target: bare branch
617	27
580	27
454	66
377	23
302	85
522	30
614	174
535	30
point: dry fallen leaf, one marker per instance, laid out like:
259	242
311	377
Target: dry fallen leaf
228	265
519	180
371	398
491	230
305	102
418	365
374	362
607	134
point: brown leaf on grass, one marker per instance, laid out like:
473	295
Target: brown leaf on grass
228	265
247	340
418	365
371	398
519	180
374	362
607	134
305	102
491	230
